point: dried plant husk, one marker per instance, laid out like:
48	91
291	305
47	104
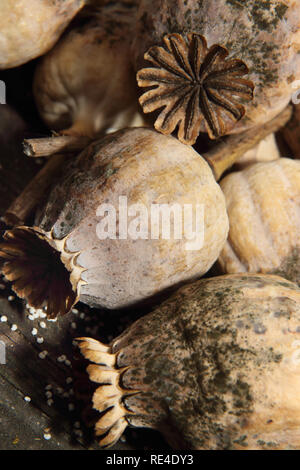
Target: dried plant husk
146	168
214	367
263	203
29	28
86	83
264	36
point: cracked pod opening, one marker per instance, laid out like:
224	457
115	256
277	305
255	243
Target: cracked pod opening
40	270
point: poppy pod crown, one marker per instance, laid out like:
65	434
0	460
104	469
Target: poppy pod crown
41	269
215	66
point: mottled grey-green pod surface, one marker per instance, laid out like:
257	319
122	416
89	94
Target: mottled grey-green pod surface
216	366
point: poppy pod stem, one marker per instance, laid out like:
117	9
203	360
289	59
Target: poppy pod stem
226	153
49	146
41	269
27	201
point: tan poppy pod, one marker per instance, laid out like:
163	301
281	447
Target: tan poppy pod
203	60
216	366
29	28
86	83
263	204
71	254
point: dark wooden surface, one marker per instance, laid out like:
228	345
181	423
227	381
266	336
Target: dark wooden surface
66	417
23	424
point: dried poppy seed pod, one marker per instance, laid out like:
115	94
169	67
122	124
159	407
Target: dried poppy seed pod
216	366
86	83
139	256
197	55
263	204
29	28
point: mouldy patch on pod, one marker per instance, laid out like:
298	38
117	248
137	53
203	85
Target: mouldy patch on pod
263	203
67	256
86	83
214	367
29	28
202	60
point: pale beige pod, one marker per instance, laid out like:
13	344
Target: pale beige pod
86	83
214	367
77	251
263	205
29	28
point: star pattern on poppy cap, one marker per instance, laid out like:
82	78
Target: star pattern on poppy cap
192	83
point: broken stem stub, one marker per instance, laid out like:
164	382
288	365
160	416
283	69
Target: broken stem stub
27	201
49	146
226	153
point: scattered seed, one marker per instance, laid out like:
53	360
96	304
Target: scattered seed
61	358
34	331
43	354
3	319
28	399
14	327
